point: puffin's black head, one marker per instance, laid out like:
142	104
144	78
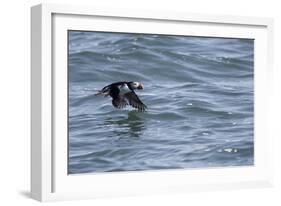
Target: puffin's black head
136	85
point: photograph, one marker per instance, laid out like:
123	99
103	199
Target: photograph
150	102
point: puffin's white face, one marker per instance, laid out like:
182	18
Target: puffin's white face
137	85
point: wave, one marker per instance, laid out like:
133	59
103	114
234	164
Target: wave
199	92
193	68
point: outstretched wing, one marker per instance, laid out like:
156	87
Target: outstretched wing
134	101
118	100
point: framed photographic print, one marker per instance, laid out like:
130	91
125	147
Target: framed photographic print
136	102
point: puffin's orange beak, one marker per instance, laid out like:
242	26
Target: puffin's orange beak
140	86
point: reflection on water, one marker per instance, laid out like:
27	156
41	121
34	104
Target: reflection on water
130	127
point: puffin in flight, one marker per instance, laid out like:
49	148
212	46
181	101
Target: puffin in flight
123	94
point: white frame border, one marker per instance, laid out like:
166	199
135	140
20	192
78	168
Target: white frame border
42	87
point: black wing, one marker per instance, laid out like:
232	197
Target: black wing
134	101
118	101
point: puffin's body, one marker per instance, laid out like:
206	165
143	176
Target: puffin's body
123	94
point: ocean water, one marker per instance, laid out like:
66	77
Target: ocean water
198	90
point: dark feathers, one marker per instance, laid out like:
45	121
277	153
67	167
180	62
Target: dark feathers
119	102
134	101
123	94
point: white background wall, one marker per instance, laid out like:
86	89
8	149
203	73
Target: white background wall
15	95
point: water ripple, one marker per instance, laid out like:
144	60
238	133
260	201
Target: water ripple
199	92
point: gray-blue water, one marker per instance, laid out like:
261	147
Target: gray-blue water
199	94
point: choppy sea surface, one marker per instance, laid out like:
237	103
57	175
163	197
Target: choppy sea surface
199	94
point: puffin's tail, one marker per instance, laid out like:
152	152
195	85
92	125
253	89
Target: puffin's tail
101	93
104	92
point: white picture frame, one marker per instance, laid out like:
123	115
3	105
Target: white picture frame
49	180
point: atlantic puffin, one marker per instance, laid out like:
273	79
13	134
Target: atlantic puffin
123	94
